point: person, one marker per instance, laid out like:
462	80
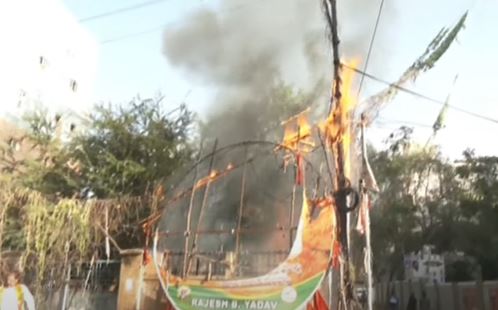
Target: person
393	301
412	302
16	296
425	303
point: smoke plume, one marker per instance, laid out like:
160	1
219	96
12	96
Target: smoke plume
247	51
245	47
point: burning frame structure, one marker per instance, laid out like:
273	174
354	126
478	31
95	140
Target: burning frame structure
332	179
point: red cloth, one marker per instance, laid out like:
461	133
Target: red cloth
336	254
299	167
365	207
147	258
317	303
169	306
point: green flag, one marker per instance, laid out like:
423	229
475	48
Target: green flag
441	118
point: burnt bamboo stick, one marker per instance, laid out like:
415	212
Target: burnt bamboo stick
291	215
204	198
241	205
189	216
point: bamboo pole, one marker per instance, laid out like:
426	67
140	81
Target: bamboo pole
291	215
204	200
66	288
189	216
341	195
364	195
241	206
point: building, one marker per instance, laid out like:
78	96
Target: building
46	57
425	266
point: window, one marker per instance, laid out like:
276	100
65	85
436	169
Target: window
43	62
73	85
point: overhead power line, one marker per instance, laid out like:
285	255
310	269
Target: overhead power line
136	34
369	53
121	10
419	95
403	122
172	23
363	73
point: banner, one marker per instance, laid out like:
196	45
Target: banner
289	286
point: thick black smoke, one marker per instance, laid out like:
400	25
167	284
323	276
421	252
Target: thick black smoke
245	50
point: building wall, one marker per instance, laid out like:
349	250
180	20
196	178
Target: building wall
46	56
446	296
425	266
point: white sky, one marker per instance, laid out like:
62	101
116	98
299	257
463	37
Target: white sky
137	66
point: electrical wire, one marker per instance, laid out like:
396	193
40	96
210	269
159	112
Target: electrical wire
386	120
120	10
374	34
419	95
172	23
363	73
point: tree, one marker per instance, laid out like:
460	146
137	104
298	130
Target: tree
479	206
418	203
119	151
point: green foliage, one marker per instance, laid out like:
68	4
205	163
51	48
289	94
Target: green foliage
425	199
50	235
480	209
126	150
460	271
419	195
56	234
434	51
121	150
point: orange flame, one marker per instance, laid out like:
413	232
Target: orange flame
338	127
297	133
213	176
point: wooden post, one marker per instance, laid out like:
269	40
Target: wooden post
342	184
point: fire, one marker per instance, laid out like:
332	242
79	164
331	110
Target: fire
297	133
214	175
338	128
